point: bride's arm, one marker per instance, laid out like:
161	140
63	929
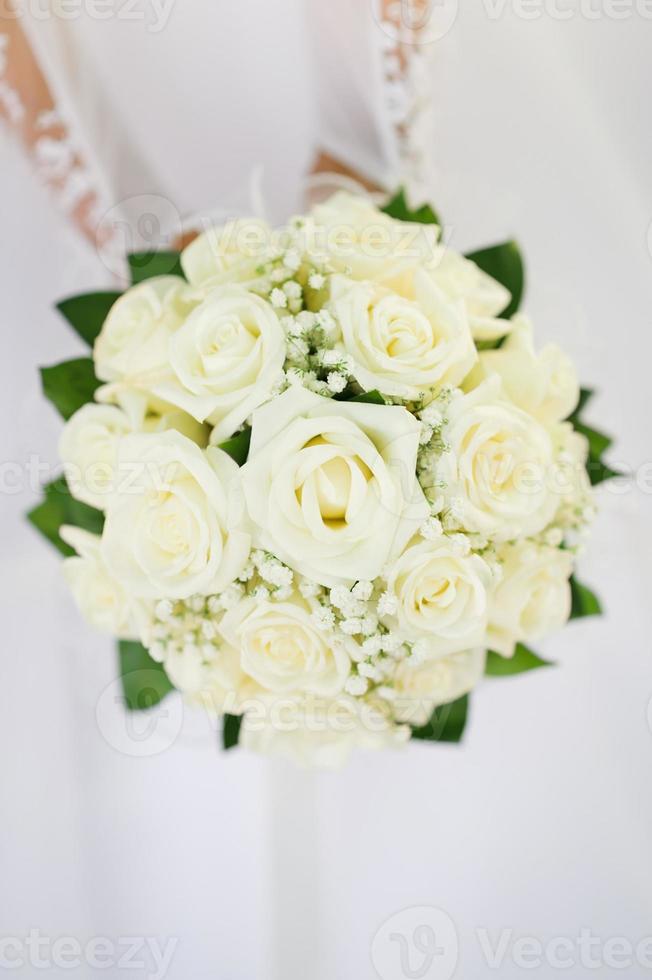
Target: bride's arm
28	107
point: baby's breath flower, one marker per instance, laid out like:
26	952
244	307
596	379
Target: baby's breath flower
372	645
292	259
431	529
292	289
387	604
339	596
324	618
309	589
163	609
363	590
351	626
278	299
336	382
356	685
368	625
260	592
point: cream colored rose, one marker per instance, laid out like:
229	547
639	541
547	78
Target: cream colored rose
331	486
210	678
484	298
365	243
90	439
420	689
319	732
228	253
533	597
572	486
226	358
133	342
441	592
498	472
281	648
88	447
101	598
398	346
174	525
545	384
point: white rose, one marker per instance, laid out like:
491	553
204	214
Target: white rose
89	443
133	342
88	447
399	346
572	485
533	597
212	679
228	253
101	598
441	592
320	732
174	525
282	649
420	689
331	486
365	243
543	384
226	358
484	298
498	472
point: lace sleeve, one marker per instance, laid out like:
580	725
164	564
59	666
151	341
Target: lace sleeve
372	76
28	106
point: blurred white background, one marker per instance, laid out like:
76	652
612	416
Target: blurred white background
540	823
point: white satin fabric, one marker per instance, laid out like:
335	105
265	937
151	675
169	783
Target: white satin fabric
540	822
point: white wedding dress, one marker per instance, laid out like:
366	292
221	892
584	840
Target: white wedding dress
540	822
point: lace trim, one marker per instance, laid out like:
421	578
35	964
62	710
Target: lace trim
10	103
407	86
28	106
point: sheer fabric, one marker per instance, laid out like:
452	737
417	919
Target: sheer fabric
374	89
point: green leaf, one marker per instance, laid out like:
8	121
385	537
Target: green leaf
70	385
522	661
584	602
505	264
238	446
147	265
399	208
586	394
598	471
231	731
491	344
447	722
369	397
144	681
60	507
598	441
87	313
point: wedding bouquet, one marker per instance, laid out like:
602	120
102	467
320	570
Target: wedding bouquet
319	479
